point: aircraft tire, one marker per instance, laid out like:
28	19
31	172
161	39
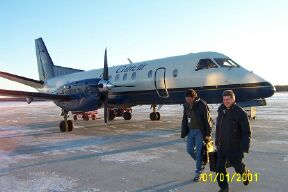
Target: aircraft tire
75	117
127	115
70	125
158	116
153	116
63	125
93	117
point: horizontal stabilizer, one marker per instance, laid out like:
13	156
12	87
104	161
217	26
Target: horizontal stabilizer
35	95
58	70
23	80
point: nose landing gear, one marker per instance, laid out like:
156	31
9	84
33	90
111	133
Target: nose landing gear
154	116
66	125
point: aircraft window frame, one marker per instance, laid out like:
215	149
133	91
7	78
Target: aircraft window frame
205	65
175	73
133	76
231	63
125	77
150	74
117	77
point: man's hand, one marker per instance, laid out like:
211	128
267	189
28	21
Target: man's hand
208	138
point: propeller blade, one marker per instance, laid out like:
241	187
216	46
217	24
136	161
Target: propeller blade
105	70
106	108
105	78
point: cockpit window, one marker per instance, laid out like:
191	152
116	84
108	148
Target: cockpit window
205	64
225	62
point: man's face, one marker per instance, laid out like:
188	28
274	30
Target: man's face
190	100
228	101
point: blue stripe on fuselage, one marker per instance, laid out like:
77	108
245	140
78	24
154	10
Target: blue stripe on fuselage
211	94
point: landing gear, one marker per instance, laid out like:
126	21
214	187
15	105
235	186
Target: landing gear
154	116
66	125
127	115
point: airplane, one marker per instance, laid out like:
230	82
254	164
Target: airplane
155	82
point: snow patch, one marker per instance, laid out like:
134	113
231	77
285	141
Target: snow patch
134	158
278	142
131	157
92	190
38	182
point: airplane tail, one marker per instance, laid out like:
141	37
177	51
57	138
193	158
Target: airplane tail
44	61
46	67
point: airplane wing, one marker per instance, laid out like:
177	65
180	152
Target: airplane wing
23	80
35	95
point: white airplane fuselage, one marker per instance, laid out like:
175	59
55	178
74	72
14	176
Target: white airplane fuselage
160	81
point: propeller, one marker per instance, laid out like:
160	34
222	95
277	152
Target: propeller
104	85
105	78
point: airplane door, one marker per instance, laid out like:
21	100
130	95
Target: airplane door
160	82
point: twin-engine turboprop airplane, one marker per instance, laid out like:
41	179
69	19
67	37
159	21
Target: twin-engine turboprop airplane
154	82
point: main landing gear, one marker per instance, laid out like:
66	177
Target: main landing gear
154	116
66	125
126	113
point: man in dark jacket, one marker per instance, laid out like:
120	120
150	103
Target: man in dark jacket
233	136
196	127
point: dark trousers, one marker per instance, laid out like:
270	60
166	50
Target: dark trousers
235	161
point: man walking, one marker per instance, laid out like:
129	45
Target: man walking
233	135
195	125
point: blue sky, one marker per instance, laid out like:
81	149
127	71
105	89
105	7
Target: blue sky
253	33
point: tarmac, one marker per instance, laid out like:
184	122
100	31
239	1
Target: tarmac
137	155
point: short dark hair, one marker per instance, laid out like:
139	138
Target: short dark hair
191	93
229	93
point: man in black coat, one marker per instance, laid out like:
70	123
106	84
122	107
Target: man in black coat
233	136
195	125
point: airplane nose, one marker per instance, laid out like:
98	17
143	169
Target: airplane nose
269	89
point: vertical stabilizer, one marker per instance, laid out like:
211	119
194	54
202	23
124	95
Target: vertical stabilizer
44	61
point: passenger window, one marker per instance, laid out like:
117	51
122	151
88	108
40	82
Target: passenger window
117	77
125	76
133	75
205	64
150	73
175	73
